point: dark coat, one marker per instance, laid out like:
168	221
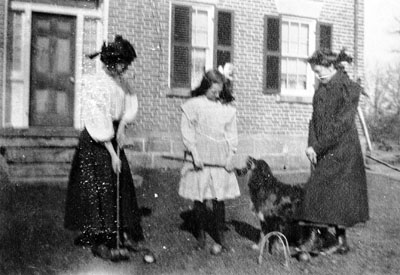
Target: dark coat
336	192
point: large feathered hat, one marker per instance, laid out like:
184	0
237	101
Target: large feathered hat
121	50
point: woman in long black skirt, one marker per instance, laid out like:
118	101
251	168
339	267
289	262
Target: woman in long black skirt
91	205
336	194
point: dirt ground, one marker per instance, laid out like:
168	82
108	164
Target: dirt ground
33	240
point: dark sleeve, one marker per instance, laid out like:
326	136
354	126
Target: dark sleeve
342	121
312	140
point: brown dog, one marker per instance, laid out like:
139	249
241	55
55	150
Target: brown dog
275	203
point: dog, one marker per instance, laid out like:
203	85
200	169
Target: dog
274	203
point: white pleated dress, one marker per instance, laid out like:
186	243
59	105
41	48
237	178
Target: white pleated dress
209	128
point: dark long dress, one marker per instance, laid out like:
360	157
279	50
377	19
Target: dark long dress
91	195
336	193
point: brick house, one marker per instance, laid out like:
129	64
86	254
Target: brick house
42	52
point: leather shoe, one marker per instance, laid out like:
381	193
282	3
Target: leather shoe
341	247
102	251
313	244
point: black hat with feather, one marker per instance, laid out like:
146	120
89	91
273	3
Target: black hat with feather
119	51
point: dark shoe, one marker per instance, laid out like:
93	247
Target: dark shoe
134	246
313	244
221	244
200	214
218	249
102	251
341	247
224	244
201	239
226	248
131	245
328	239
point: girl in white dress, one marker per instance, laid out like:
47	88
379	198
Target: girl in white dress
209	133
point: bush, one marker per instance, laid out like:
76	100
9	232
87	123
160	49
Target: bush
384	129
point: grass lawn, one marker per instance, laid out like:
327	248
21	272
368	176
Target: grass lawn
33	240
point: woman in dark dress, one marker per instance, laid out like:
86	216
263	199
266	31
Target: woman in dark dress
108	106
336	194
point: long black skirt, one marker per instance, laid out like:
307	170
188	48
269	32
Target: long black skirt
91	204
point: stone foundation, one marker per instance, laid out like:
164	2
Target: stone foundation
281	152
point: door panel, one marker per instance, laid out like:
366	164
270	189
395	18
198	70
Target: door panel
52	68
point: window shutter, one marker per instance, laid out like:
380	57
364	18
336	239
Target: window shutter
324	36
181	47
272	54
224	43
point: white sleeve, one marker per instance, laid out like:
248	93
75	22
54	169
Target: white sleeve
231	134
96	112
188	133
130	108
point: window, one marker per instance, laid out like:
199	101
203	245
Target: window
324	36
224	38
289	41
295	50
193	47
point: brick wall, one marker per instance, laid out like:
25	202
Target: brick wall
268	127
341	14
2	49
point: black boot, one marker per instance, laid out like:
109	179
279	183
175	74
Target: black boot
219	218
200	211
341	246
313	243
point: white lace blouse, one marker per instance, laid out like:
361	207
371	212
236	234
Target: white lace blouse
105	101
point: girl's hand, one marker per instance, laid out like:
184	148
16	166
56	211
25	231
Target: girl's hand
198	163
116	164
312	156
229	164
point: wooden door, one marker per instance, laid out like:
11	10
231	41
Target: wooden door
52	70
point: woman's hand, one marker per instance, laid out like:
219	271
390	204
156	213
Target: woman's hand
121	137
116	164
115	161
312	156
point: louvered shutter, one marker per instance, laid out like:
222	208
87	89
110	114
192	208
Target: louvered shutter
224	41
324	36
272	54
181	47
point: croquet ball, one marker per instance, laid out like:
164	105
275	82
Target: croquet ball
255	247
304	257
148	259
216	249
